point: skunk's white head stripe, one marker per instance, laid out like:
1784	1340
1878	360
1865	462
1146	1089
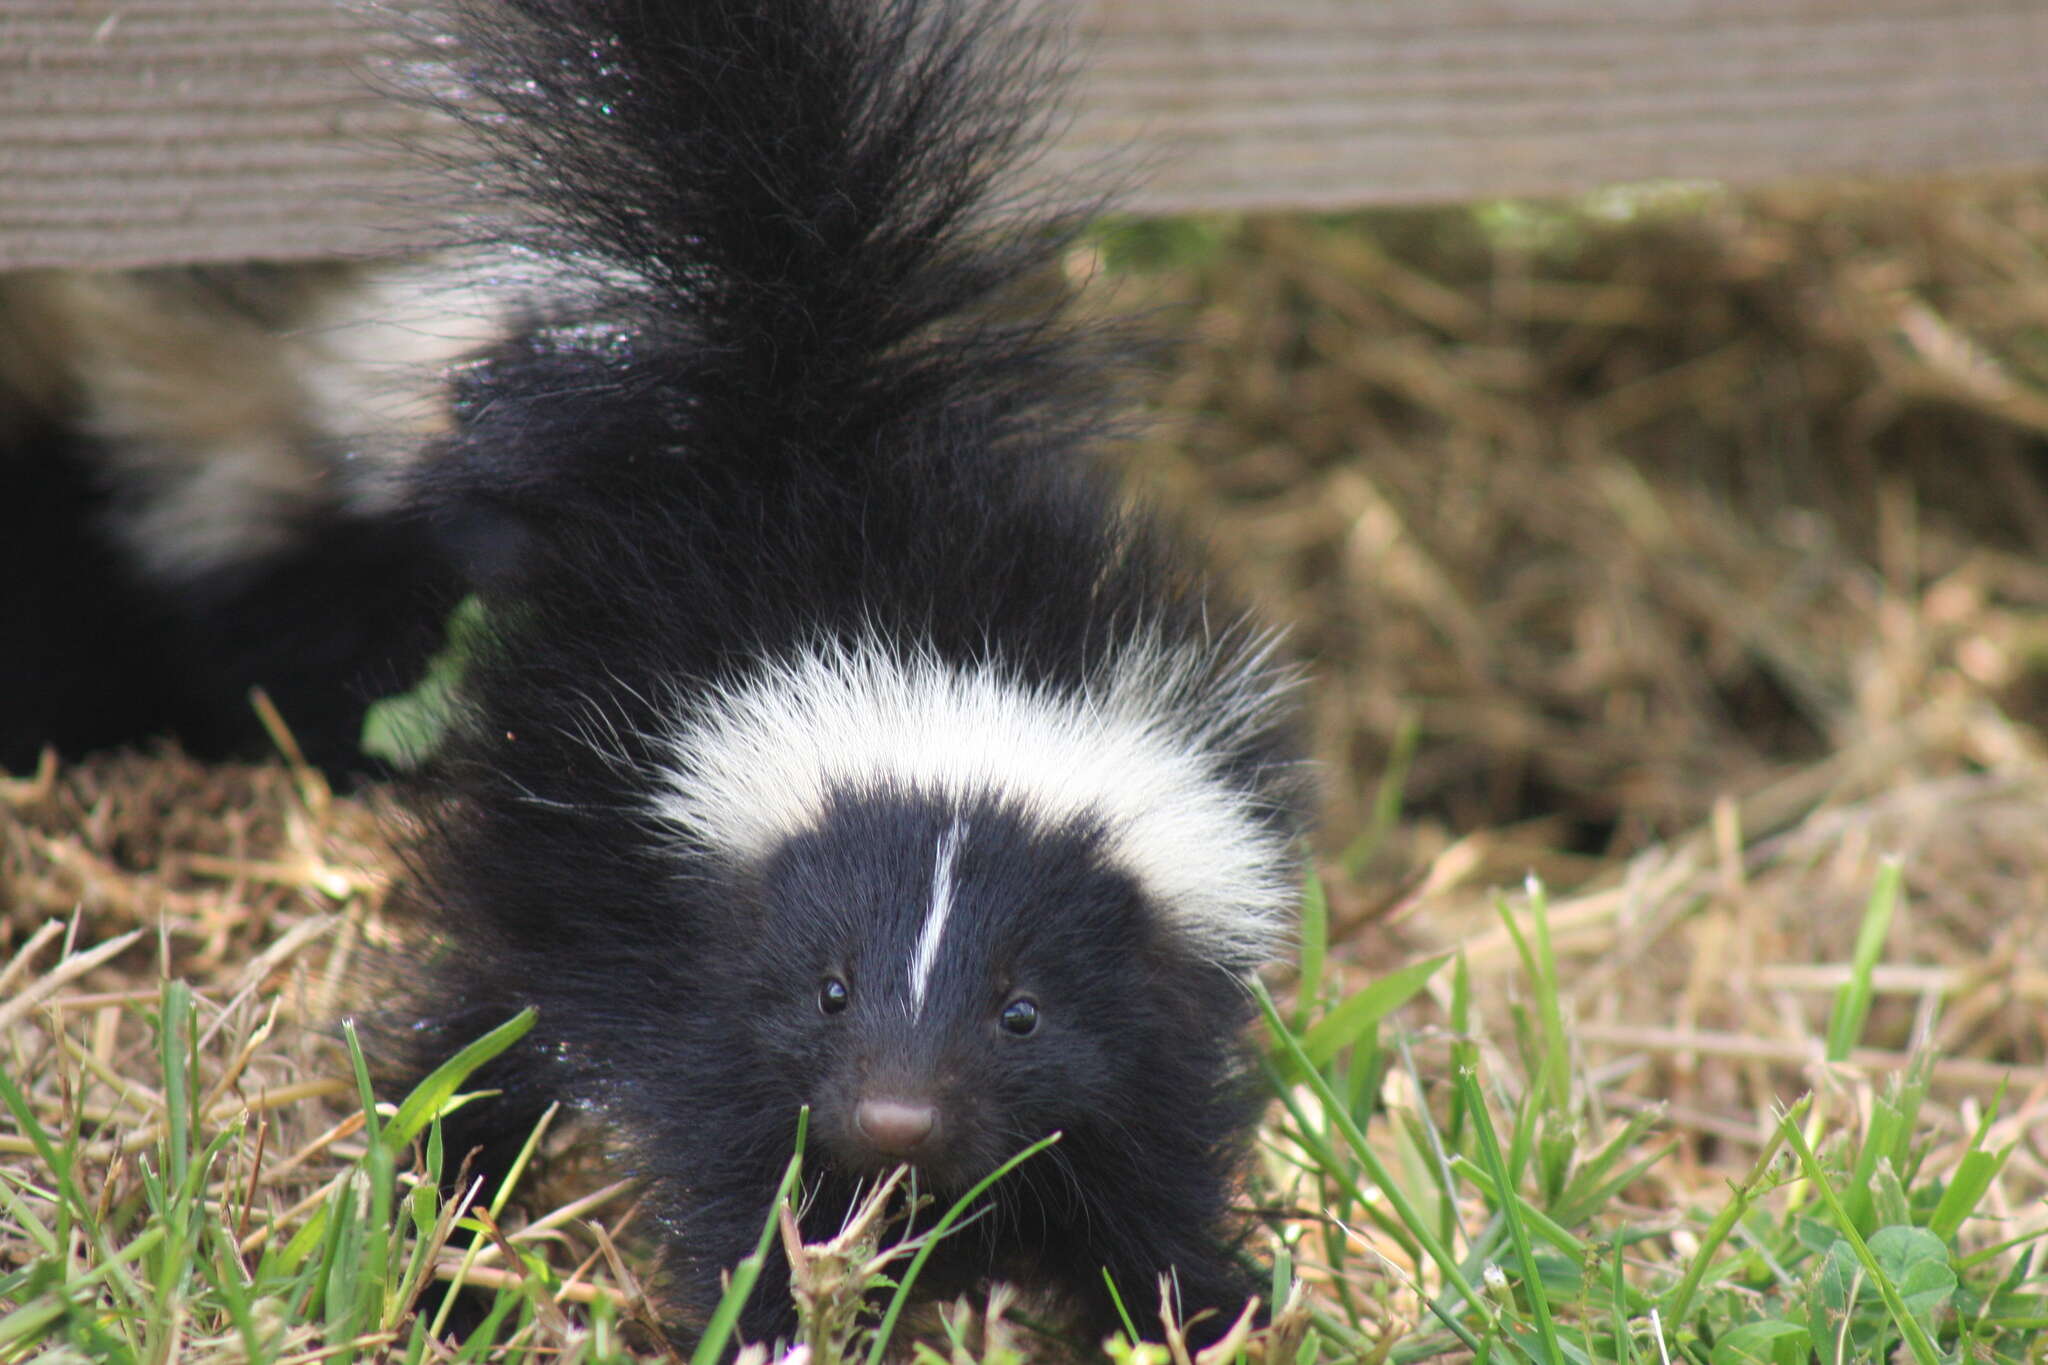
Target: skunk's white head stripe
935	917
1140	751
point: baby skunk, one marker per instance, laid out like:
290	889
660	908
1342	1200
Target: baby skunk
198	496
841	740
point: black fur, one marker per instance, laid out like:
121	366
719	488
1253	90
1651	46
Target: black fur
78	627
330	607
104	653
797	391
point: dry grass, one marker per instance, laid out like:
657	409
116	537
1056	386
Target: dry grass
1702	555
1631	515
125	870
1703	551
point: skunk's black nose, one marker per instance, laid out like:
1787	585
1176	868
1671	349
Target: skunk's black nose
896	1127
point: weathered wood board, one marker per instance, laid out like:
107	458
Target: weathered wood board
145	131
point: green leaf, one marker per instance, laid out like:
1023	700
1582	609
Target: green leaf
1909	1327
1888	1203
1764	1343
1145	245
1916	1261
1830	1302
404	730
1364	1009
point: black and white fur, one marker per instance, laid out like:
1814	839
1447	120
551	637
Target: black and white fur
843	740
200	494
840	738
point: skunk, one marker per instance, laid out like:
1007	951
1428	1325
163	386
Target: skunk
199	495
838	737
835	736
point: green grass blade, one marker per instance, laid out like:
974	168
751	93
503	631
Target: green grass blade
430	1097
480	1237
711	1346
1333	1168
1618	1296
1539	963
366	1094
930	1240
1362	1151
1487	1182
1510	1209
1387	799
1364	1009
1973	1176
26	1324
1123	1314
174	1043
1852	1001
1676	1305
1909	1326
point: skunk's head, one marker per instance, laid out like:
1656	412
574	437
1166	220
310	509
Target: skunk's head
951	979
978	912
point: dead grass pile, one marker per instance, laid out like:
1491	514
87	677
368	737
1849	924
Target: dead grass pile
1630	514
226	872
249	883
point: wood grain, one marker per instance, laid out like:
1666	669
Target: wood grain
149	131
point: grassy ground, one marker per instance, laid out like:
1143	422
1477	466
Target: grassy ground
1690	553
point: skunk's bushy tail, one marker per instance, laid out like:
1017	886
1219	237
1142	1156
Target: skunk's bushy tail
799	195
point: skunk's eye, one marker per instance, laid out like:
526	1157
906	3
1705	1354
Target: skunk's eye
833	995
1020	1016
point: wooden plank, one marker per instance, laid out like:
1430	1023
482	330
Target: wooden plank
1321	103
136	132
145	131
